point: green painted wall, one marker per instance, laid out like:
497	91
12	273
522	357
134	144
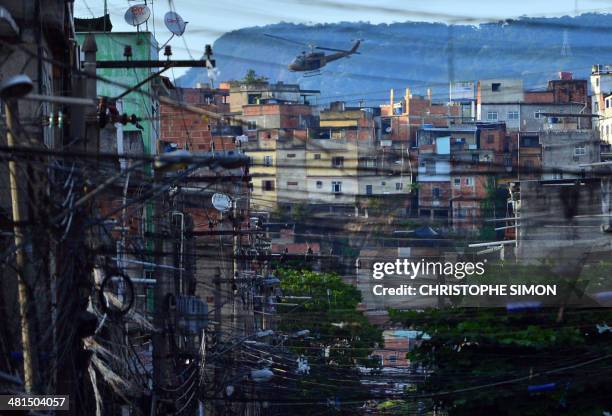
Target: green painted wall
144	46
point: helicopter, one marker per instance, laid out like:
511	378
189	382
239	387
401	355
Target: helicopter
311	62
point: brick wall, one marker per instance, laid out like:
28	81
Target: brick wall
569	91
420	111
426	199
194	130
477	190
539	97
493	139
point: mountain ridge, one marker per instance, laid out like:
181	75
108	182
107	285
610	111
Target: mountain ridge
418	55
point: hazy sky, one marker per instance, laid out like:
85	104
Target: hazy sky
209	19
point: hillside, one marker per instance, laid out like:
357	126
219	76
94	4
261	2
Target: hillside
418	54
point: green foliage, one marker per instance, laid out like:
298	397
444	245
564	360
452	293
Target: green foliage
492	206
251	77
300	212
333	320
334	324
471	348
409	224
374	204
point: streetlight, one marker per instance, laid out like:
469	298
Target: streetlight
16	87
11	89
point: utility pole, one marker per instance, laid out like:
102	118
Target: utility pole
235	265
85	126
218	305
29	370
164	286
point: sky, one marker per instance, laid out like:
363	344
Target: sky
209	19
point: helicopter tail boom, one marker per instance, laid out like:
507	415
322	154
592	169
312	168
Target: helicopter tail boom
343	54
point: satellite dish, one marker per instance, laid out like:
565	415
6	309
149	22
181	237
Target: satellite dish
221	202
137	14
175	23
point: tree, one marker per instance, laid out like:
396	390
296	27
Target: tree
492	206
251	77
333	319
300	212
340	338
474	353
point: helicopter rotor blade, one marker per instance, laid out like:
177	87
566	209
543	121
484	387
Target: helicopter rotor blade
286	40
330	49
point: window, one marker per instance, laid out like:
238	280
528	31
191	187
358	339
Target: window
370	163
392	358
490	138
528	165
336	187
607	104
399	186
596	106
597	82
469	181
580	150
368	189
530	141
457	182
461	212
317	156
383	183
430	167
491	115
496	86
513	115
319	184
435	193
267	185
475	158
338	134
251	125
338	161
291	155
507	161
253	98
538	114
292	183
267	160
